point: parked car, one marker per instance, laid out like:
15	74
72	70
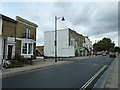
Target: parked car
104	53
107	53
112	55
99	53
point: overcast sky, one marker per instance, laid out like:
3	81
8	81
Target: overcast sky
93	19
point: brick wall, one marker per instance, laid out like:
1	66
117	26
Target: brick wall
20	30
8	29
18	49
78	37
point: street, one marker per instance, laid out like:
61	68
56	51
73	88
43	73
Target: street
69	75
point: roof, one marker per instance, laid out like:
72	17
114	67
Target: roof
7	18
25	21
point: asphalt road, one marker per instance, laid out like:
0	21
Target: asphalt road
68	75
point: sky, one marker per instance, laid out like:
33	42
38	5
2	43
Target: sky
93	19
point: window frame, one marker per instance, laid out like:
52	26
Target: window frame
28	43
27	33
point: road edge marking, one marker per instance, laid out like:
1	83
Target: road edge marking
92	78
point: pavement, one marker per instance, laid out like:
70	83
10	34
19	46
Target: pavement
37	64
110	82
109	79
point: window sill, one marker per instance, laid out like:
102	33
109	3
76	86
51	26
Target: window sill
26	54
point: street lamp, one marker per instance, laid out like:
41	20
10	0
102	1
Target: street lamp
56	18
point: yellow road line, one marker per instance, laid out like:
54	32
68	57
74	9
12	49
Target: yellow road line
92	78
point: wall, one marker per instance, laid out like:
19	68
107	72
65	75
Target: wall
1	51
88	43
78	39
22	24
0	26
20	30
63	48
41	49
49	44
18	49
8	29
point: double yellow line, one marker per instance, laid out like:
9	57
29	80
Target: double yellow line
92	78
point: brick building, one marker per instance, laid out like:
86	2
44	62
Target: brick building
17	38
8	34
75	38
25	38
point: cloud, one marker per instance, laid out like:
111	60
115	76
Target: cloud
93	19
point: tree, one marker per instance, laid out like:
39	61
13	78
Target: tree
105	44
117	49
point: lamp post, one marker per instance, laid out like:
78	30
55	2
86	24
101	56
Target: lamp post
55	42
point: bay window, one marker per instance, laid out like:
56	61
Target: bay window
27	48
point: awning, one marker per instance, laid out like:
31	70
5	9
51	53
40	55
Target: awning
79	48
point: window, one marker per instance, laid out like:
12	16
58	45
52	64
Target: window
27	48
24	50
72	42
27	33
76	43
30	48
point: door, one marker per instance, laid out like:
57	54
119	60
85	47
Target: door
10	51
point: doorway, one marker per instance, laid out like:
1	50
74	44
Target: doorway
10	51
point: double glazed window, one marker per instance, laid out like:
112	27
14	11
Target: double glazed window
27	48
27	33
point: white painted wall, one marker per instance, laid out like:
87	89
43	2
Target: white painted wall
49	44
63	48
0	26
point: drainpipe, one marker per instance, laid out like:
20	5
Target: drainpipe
4	51
15	39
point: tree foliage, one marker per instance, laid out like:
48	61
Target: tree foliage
105	44
117	49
